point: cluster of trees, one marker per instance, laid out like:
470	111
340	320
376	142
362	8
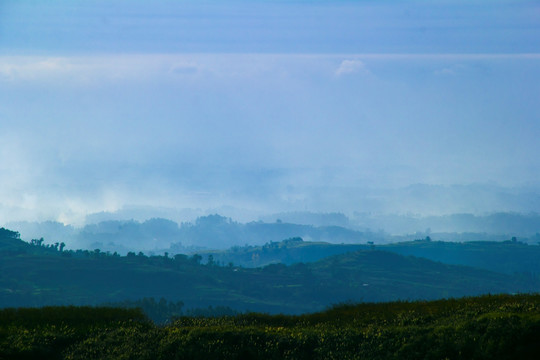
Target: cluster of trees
9	234
56	246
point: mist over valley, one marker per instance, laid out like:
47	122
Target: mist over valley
269	179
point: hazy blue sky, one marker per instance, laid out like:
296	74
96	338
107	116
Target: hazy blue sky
261	105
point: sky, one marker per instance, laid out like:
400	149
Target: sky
255	107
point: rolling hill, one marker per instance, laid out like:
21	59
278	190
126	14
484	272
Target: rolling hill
32	275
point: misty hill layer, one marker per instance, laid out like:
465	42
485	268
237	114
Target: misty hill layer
160	235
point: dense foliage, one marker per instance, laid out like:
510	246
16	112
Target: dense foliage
488	327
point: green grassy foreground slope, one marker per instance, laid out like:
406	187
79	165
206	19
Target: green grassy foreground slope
488	327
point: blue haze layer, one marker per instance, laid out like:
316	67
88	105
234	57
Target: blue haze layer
265	106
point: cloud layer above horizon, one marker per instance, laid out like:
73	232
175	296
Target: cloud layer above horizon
260	106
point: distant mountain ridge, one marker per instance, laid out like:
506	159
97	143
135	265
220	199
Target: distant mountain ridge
159	235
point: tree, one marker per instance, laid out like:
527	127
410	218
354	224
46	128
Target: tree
37	242
180	257
196	258
5	233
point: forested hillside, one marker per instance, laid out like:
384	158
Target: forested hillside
35	275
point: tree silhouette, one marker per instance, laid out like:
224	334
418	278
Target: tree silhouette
196	258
